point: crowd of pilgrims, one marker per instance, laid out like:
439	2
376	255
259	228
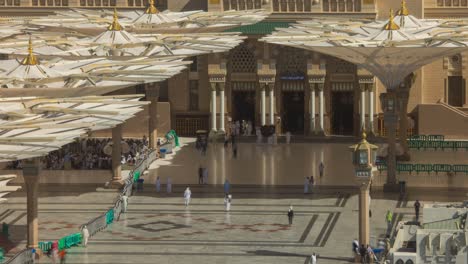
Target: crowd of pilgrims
88	154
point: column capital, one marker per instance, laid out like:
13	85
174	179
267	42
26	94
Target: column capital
363	87
364	184
312	87
320	87
217	72
213	86
221	86
266	71
31	168
317	78
152	90
366	79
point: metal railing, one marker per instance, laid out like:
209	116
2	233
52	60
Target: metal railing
113	214
23	257
97	224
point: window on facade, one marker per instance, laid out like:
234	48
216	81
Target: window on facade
194	65
193	95
341	5
164	91
275	5
96	2
450	3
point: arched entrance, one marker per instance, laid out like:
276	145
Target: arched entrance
243	101
342	87
293	105
342	99
242	77
292	65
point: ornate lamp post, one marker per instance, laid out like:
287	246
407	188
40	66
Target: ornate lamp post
363	155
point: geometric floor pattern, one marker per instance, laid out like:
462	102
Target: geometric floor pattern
159	229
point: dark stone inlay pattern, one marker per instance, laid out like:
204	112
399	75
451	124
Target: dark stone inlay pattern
330	229
324	229
6	214
308	228
164	226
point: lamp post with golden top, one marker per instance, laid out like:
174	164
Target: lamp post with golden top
363	155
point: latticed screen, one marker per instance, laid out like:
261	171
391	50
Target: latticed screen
243	59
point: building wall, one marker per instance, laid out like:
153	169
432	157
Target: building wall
430	85
187	5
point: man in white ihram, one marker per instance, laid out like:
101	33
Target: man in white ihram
187	196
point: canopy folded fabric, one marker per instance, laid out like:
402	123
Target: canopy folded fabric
390	50
33	127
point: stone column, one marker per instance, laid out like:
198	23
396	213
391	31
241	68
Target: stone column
266	71
272	104
213	107
221	107
403	98
31	171
390	125
116	156
217	76
152	95
389	107
364	213
363	107
371	109
312	108
321	109
262	104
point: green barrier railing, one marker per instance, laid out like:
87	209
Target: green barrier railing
441	168
460	169
2	254
404	167
423	168
45	246
172	134
65	242
72	240
136	176
435	142
61	243
110	216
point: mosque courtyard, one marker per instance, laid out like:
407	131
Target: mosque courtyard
158	228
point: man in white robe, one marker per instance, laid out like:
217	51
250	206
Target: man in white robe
187	196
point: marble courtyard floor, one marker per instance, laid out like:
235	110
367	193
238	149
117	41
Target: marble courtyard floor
159	229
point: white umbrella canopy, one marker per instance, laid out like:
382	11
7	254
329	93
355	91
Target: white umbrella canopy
116	41
385	49
32	127
53	74
151	18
